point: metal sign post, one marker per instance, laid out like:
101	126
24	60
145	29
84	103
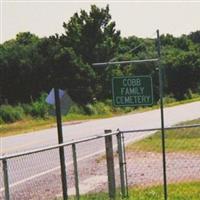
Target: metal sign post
148	101
162	117
60	141
161	101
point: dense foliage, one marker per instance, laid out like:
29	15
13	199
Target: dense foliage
30	65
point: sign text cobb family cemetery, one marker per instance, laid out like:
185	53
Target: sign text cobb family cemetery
132	91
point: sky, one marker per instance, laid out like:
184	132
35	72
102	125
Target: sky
139	18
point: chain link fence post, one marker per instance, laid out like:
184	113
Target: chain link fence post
75	171
122	165
125	164
110	165
6	181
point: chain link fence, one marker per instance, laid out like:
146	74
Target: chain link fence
145	162
183	160
137	157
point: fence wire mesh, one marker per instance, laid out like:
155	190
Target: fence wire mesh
183	161
37	175
145	167
34	176
92	175
1	181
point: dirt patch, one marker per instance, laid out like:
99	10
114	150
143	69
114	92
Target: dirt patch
146	168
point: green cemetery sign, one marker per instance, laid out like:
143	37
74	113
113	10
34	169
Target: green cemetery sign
132	91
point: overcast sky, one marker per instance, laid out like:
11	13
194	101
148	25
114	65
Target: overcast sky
140	18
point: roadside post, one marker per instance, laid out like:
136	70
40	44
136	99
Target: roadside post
62	102
122	163
125	165
6	181
110	165
162	117
76	178
60	141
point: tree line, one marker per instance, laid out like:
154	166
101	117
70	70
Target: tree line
30	65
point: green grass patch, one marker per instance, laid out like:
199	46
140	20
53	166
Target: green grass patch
178	191
34	124
179	140
26	125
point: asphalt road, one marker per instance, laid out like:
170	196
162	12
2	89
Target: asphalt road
150	119
28	169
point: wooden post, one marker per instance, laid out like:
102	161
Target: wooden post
110	165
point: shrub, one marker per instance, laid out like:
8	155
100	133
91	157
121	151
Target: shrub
11	113
76	109
1	120
102	108
39	108
190	95
90	110
128	109
168	99
117	109
27	108
98	108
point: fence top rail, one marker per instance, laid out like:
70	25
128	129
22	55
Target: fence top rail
159	129
14	155
51	147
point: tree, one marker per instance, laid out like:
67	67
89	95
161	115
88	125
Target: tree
71	73
18	59
26	38
62	68
93	37
182	72
195	36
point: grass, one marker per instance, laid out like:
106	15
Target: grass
178	191
25	125
33	124
180	140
